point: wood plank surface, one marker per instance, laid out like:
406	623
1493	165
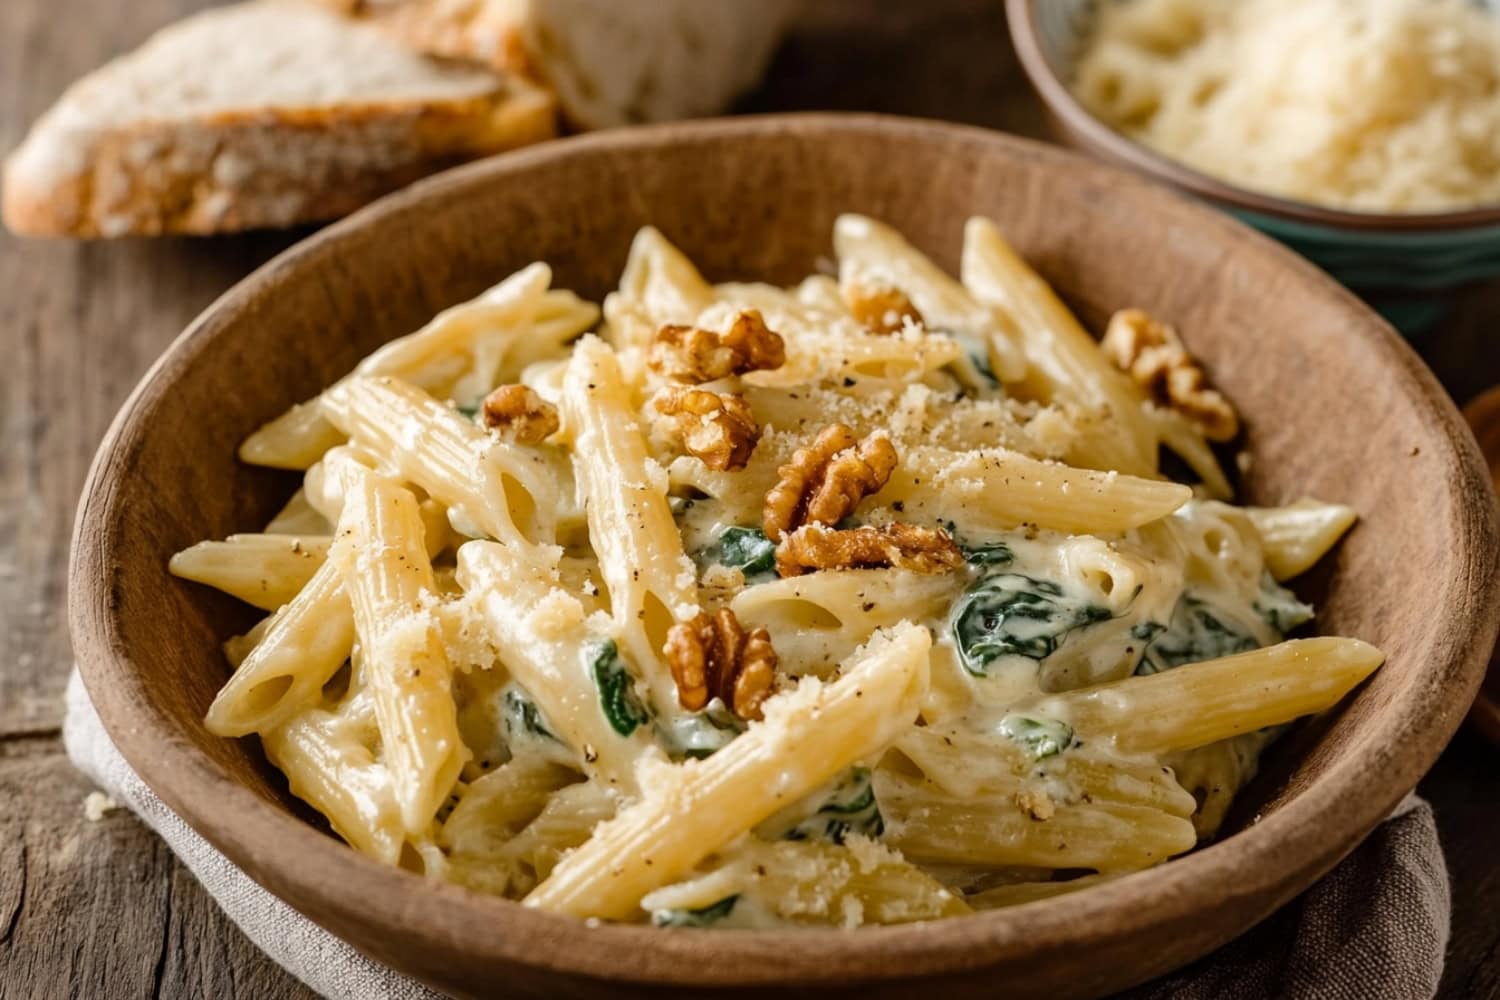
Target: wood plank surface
103	909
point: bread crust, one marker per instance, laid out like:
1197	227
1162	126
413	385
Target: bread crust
231	170
663	60
236	171
470	30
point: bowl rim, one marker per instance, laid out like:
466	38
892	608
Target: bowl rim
1270	860
1097	137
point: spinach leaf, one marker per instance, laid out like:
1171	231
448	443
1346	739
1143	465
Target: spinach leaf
986	553
1007	614
526	730
616	693
973	370
471	411
1041	737
1279	607
1147	630
748	550
698	734
995	553
522	719
980	359
850	808
701	917
745	549
1197	633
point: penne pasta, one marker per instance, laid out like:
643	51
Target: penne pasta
1063	362
1207	702
264	570
867	608
477	837
1188	443
468	344
875	255
552	647
236	648
659	286
996	490
806	883
806	738
1298	535
303	645
823	615
299	517
389	580
959	762
1029	892
566	822
927	825
327	760
489	486
650	581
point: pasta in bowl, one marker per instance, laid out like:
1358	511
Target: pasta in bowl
860	601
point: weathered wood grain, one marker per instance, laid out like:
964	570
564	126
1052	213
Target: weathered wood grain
102	910
946	59
79	324
86	909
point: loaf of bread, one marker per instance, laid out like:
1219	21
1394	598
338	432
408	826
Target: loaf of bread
262	114
610	62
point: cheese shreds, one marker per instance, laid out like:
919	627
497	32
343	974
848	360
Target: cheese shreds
97	805
1371	105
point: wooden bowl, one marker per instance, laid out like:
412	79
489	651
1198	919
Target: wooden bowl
1336	405
1483	415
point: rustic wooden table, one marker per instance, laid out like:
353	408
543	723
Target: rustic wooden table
103	909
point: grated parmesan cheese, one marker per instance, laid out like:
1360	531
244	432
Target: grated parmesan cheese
1371	105
97	805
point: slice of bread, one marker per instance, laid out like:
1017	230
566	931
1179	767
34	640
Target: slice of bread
257	115
611	62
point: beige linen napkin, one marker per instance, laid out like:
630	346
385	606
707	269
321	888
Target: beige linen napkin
1375	928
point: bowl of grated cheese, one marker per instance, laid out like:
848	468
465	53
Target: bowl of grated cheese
1363	133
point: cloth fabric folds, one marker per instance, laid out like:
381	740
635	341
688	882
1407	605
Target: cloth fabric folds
1376	927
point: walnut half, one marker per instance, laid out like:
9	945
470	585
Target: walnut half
881	309
518	413
690	354
713	657
903	546
1154	355
715	427
826	480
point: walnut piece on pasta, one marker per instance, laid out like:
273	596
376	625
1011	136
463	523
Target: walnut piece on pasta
713	656
518	413
1152	353
826	480
881	309
716	427
896	545
691	354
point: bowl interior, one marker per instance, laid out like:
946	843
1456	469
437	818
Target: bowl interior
1335	406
